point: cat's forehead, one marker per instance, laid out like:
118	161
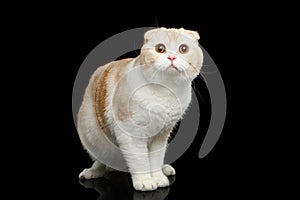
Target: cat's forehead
171	34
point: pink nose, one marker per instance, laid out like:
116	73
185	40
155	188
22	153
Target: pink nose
171	58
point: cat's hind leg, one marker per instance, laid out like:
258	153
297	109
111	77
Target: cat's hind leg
96	171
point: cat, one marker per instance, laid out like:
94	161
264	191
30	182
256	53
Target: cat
136	102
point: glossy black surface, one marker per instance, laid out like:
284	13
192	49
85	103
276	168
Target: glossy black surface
118	185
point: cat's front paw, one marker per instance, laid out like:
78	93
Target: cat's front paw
160	179
143	183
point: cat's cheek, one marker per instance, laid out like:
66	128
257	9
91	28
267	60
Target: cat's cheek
150	57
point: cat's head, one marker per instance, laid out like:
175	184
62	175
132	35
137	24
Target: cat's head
173	52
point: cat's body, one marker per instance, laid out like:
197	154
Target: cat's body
136	102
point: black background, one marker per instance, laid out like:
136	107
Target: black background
236	167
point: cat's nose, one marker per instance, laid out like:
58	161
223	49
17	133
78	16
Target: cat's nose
171	58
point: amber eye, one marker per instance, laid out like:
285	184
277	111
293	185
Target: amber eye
160	48
183	48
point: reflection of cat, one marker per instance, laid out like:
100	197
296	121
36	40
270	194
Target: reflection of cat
135	103
117	185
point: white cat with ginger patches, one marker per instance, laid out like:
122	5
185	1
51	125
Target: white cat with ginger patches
136	102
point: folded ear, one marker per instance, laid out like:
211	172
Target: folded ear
150	33
193	34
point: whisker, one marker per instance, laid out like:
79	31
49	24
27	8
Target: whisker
134	47
199	94
156	22
203	78
203	72
187	76
156	71
206	72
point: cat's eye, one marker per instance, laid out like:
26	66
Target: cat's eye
160	48
183	48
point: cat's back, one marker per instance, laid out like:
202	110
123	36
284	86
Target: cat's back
105	79
103	84
95	108
113	70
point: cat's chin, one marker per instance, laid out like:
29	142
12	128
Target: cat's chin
175	74
173	68
170	68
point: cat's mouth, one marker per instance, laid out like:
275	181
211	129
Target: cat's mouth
173	67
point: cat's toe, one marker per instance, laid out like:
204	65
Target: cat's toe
168	170
161	180
86	174
144	184
90	174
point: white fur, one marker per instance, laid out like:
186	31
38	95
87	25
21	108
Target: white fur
158	96
96	171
